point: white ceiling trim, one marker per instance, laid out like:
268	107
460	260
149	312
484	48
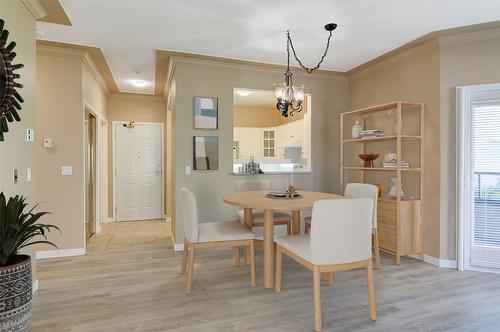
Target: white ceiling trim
36	8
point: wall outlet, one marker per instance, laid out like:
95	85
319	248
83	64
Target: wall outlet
16	176
67	170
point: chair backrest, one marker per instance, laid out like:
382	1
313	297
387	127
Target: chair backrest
190	215
253	185
364	190
341	231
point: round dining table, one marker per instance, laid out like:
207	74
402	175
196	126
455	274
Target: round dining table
250	200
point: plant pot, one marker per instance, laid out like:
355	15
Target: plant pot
16	289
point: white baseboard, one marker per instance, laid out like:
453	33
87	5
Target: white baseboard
178	247
35	285
60	253
109	220
445	263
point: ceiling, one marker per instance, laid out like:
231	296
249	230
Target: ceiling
129	32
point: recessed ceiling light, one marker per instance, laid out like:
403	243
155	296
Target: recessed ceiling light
139	84
40	31
244	93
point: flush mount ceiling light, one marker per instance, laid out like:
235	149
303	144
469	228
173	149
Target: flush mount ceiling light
290	97
244	93
139	84
9	98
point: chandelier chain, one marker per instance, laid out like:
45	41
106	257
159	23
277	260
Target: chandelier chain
309	70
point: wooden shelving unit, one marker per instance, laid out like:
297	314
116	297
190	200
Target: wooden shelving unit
400	223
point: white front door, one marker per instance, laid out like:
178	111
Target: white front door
138	172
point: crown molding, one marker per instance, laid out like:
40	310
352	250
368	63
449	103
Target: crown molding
222	64
133	95
94	72
391	58
469	37
60	52
170	78
35	8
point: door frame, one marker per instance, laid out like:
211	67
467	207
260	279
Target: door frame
159	124
464	180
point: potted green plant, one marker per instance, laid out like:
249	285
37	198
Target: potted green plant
18	229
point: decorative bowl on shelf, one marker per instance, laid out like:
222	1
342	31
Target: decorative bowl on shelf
368	159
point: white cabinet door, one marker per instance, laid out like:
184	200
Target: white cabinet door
138	172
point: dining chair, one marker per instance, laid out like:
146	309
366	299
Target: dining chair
210	235
279	218
363	190
334	244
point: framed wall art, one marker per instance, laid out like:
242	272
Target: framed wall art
205	153
206	113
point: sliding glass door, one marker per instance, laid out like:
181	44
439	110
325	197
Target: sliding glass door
485	221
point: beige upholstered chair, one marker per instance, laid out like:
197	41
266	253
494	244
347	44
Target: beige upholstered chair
340	239
279	218
210	235
363	190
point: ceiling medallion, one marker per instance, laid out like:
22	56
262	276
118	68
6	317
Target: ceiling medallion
290	97
9	98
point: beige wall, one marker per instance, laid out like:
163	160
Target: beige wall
413	76
15	152
329	93
462	63
131	107
60	117
259	117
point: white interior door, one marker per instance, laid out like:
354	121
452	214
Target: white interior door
138	172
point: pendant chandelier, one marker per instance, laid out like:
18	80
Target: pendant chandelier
290	97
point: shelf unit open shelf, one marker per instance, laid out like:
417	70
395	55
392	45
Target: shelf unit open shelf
400	224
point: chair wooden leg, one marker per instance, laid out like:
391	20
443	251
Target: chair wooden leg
237	256
317	298
307	228
330	278
277	282
289	228
189	285
376	249
184	257
371	291
253	277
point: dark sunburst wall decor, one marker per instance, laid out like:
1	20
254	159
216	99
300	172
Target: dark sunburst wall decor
10	99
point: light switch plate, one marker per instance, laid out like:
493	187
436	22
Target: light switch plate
67	170
30	135
47	143
188	170
28	174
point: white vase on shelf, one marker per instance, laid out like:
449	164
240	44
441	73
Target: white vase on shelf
356	129
393	191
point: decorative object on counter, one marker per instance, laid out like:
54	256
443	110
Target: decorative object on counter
393	192
391	156
290	97
250	168
206	113
380	190
356	129
367	133
10	99
368	159
205	153
18	229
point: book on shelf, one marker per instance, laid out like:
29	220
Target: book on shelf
371	133
394	164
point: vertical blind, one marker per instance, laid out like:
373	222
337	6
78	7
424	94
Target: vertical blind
485	235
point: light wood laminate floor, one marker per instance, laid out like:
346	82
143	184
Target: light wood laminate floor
130	281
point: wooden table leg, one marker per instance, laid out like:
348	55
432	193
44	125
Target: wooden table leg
248	218
295	222
268	248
